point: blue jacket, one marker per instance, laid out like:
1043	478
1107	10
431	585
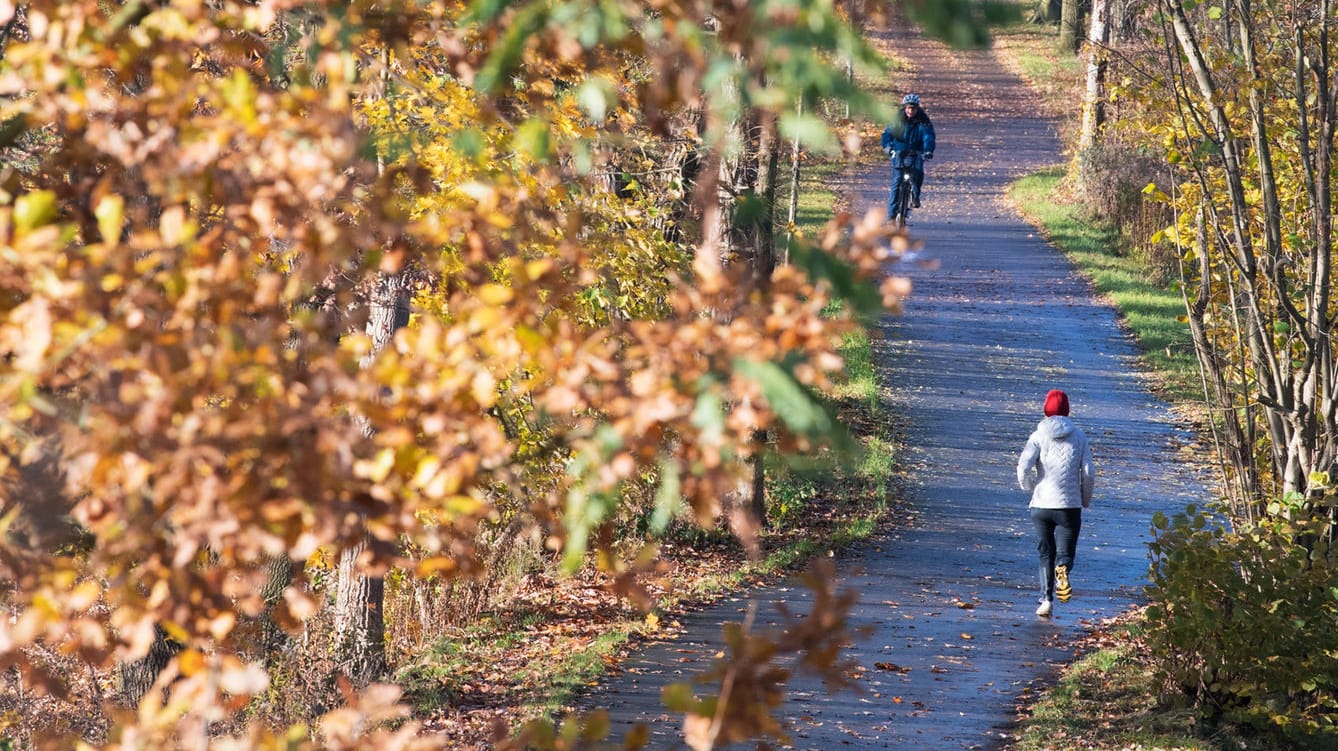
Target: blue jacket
914	135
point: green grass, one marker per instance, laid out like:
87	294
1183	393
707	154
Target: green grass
1107	701
1106	695
1154	312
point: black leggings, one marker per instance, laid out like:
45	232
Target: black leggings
1056	542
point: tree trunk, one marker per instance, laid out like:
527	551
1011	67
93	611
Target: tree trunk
359	621
764	264
763	196
1093	111
1069	14
138	677
1046	11
279	575
793	216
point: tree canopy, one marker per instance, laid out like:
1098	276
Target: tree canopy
199	201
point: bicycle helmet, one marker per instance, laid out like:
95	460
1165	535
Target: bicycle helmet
910	99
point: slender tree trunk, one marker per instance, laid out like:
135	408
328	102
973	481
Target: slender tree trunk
1069	14
1273	276
280	575
359	608
1093	111
764	263
793	215
764	196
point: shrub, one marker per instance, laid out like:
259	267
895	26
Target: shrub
1244	622
1111	177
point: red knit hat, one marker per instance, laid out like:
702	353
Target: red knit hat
1056	403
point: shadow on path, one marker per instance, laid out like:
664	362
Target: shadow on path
953	643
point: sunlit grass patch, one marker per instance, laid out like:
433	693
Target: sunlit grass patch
1154	312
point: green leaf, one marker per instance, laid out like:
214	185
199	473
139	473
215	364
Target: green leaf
12	128
34	210
469	142
583	157
951	21
678	697
506	54
668	497
483	11
797	408
810	130
708	415
532	139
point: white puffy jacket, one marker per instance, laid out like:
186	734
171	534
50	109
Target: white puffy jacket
1056	465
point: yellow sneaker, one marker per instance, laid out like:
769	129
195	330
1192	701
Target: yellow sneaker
1063	591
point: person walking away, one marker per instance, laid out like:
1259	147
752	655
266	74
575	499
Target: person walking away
1056	468
910	138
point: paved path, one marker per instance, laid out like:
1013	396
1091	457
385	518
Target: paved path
999	320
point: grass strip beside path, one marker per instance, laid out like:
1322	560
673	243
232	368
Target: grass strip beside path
1154	313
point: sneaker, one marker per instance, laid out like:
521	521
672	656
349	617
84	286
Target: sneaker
1062	588
915	202
1044	608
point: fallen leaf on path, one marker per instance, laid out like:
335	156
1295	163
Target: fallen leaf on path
892	666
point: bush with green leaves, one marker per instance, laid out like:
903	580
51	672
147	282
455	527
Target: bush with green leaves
1244	621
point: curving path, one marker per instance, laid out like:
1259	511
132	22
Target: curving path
1000	318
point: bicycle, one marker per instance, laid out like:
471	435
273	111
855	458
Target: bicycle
899	205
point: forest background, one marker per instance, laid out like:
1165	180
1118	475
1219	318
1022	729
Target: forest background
335	335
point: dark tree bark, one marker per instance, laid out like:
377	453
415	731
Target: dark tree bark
137	677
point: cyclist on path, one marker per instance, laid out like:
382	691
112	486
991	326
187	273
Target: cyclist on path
911	136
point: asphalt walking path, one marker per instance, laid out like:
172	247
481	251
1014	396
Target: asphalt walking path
997	317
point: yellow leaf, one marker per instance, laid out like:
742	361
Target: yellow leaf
495	294
536	269
436	565
190	662
110	213
377	469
